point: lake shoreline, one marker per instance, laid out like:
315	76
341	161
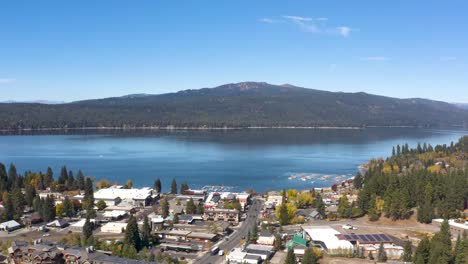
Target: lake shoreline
173	128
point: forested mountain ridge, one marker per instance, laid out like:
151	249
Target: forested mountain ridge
236	105
432	179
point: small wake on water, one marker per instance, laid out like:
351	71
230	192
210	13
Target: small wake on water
317	177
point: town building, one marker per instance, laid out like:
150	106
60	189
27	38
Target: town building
177	235
227	215
78	226
296	241
22	252
114	227
244	199
456	228
58	223
115	194
274	199
114	215
266	238
183	246
326	238
9	226
263	251
237	256
201	237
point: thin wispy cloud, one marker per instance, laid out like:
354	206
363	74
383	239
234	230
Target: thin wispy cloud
376	58
298	18
344	31
312	25
447	58
266	20
7	80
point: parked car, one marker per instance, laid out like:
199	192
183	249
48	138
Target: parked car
349	227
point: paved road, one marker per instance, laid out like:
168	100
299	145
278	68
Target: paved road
235	238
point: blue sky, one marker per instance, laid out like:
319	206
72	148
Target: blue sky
71	50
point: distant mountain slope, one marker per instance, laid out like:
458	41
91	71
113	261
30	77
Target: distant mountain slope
462	105
236	105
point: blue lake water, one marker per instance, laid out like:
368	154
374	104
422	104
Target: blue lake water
260	159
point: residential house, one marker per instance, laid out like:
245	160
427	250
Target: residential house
266	238
58	223
9	226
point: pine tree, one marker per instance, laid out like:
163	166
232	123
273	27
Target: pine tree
462	251
319	204
382	255
3	178
164	207
174	186
309	257
421	256
63	176
145	232
67	207
18	201
30	193
48	178
47	210
70	182
441	245
278	242
344	207
184	187
254	234
407	252
358	180
190	207
89	198
157	185
80	179
425	213
12	177
8	205
290	257
456	248
283	214
87	229
132	236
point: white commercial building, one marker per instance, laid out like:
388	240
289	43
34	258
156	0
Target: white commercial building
456	228
78	226
238	256
114	227
114	214
115	194
9	226
325	235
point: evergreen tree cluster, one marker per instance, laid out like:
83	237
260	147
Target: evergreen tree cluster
20	191
432	179
439	249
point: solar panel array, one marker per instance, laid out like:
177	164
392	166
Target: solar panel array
369	238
